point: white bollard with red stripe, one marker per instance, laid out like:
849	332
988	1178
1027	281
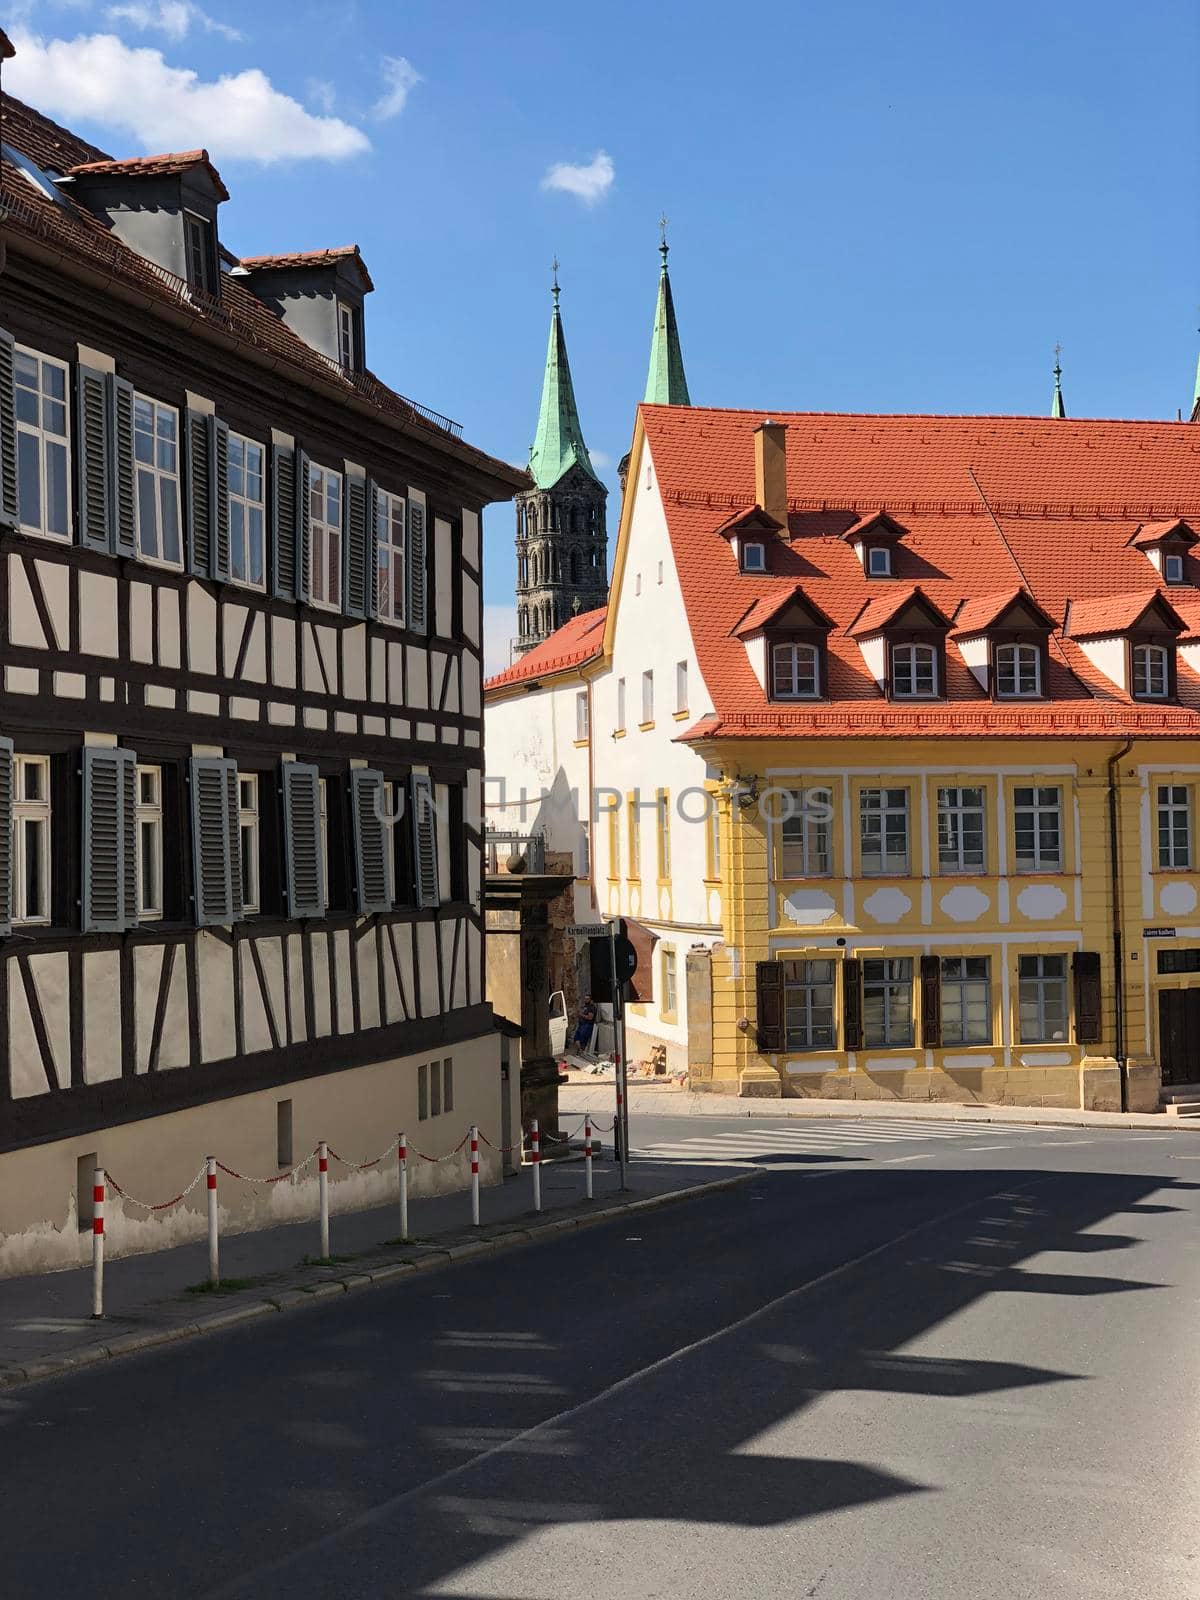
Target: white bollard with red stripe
587	1152
474	1175
214	1264
402	1158
98	1242
323	1183
535	1156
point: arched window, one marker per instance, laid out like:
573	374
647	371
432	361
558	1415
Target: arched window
1018	671
531	519
914	671
795	672
1151	671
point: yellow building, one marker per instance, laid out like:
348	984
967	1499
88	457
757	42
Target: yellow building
937	679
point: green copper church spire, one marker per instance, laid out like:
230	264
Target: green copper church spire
558	443
1057	405
666	384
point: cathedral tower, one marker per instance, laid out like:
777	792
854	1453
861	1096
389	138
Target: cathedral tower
562	541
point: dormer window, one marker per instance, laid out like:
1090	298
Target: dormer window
795	672
1150	677
754	558
914	672
879	561
200	252
1018	671
1172	568
348	326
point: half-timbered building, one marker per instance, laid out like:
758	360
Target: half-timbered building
240	710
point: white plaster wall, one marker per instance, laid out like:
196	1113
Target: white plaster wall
1109	656
874	653
975	653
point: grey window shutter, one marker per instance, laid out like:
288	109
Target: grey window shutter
283	522
220	499
414	567
301	534
216	842
354	548
109	840
94	448
372	550
122	488
424	826
302	837
9	510
6	834
370	840
198	476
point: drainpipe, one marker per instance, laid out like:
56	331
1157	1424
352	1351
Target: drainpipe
1118	951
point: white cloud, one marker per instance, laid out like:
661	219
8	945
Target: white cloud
589	184
499	630
240	116
600	458
322	94
400	77
172	17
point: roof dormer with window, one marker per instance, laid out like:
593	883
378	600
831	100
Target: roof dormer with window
1167	546
875	540
1005	641
319	295
786	635
902	636
751	535
1132	640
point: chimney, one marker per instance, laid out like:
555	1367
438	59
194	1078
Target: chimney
770	471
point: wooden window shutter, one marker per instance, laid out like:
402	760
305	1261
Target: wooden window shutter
122	486
371	839
220	499
216	840
283	522
198	478
371	556
9	509
302	839
301	531
931	1001
93	444
1085	966
768	985
6	834
109	903
852	1028
424	833
354	548
414	567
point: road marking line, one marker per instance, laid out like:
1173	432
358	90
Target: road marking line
252	1580
970	1147
891	1160
1045	1144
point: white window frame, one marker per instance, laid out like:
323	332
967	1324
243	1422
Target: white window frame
249	800
670	1002
197	227
1172	567
887	804
756	562
47	438
159	476
893	980
325	489
1034	989
809	991
681	686
914	666
248	509
795	672
965	980
149	826
879	561
805	840
961	817
390	512
37	812
1018	669
347	354
662	835
620	705
581	714
1035	808
1151	664
1174	816
647	696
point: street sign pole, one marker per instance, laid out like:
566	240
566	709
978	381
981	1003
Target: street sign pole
620	1121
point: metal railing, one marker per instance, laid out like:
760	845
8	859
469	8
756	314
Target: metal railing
500	846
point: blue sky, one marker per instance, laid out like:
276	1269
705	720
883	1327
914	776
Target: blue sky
873	206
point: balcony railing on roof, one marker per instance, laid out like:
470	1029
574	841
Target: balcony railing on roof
499	847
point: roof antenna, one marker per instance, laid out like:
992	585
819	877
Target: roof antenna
1057	406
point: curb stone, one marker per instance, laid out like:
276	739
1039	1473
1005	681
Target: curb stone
292	1298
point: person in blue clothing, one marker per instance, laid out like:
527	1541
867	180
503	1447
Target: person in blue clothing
586	1023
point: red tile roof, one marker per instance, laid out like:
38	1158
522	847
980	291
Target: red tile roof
881	609
978	615
1106	614
878	523
575	642
990	505
1151	533
310	258
768	607
169	165
47	144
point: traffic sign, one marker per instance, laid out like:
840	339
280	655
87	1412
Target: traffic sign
588	930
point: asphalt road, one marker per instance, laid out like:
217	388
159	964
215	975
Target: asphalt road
912	1367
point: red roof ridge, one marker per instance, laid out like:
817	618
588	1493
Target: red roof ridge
282	260
572	648
1053	425
168	162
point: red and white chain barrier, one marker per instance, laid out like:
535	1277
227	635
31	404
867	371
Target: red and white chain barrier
214	1249
323	1190
98	1242
402	1162
535	1156
474	1176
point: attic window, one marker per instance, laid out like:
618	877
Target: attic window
1172	568
201	254
754	558
879	561
1152	673
347	337
914	672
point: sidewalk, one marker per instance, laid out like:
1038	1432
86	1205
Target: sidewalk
46	1326
664	1099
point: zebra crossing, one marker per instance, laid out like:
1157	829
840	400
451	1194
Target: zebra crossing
758	1146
